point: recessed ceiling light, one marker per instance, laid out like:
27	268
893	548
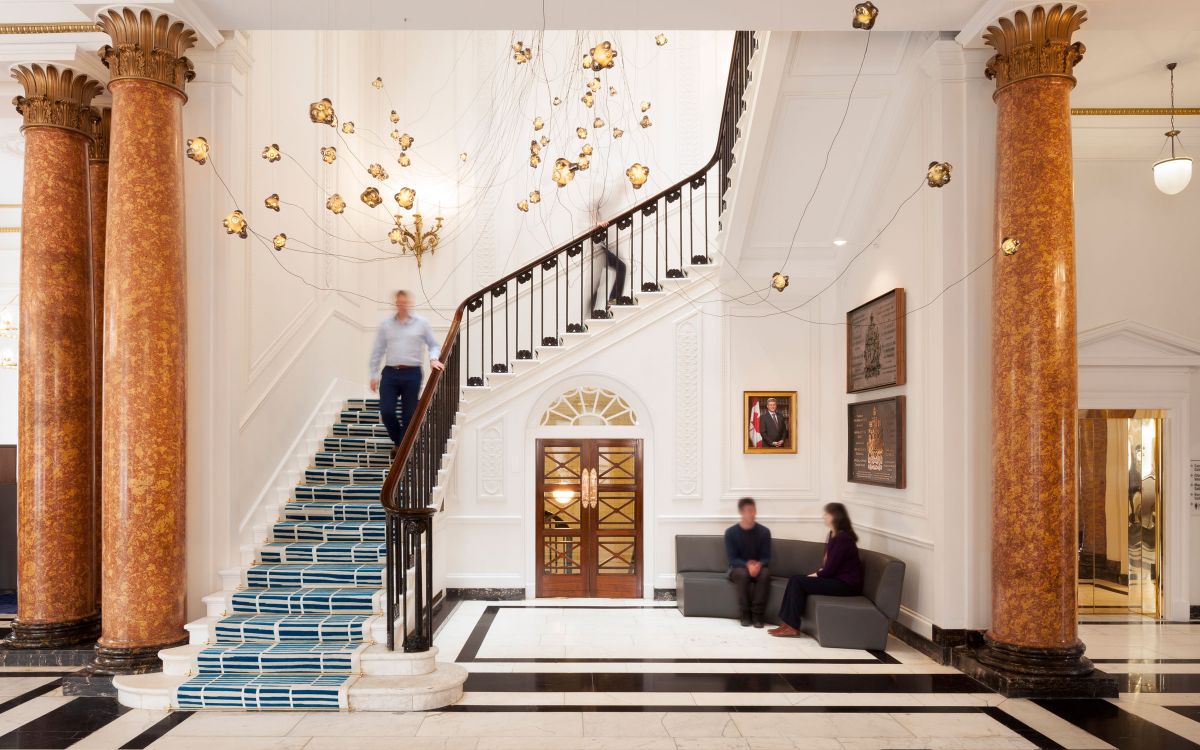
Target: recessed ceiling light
839	242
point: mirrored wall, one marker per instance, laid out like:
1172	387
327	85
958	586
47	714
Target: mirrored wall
1120	512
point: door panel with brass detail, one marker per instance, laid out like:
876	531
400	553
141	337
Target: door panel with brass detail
589	508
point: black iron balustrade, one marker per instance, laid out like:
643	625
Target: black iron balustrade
535	307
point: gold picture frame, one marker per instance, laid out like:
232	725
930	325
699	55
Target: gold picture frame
754	406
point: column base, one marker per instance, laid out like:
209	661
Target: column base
1025	672
111	661
53	635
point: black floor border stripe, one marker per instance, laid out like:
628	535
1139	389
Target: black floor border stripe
37	692
1148	661
470	650
721	682
156	732
1116	726
736	708
64	725
1028	733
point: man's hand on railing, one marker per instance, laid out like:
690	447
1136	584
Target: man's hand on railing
436	364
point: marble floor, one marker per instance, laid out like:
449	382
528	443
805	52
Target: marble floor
591	674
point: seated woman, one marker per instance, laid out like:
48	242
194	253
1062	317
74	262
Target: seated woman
841	573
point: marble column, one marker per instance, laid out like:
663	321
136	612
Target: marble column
100	121
144	342
1032	647
56	563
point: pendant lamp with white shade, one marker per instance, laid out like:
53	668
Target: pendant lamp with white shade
1173	175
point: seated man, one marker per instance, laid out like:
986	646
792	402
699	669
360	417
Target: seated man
748	546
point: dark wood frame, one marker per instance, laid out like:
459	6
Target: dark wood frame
901	428
593	582
795	407
900	343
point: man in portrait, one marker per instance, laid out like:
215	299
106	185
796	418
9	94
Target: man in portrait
773	426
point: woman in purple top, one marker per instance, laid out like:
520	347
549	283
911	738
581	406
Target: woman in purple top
841	573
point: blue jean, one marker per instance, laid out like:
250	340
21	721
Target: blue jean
403	386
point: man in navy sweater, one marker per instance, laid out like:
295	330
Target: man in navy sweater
748	546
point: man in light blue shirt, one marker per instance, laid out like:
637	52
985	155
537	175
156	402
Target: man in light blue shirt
398	350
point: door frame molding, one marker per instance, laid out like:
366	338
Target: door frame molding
526	454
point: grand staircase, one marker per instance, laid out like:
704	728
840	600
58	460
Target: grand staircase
335	612
304	626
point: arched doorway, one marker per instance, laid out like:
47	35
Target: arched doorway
589	500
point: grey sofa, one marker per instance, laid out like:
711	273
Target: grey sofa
703	589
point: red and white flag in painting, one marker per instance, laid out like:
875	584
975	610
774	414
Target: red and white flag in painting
755	437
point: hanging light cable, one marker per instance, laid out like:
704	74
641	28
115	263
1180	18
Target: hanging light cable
1173	175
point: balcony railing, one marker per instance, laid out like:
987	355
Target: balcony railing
533	308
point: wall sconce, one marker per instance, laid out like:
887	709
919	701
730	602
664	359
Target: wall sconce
416	240
197	149
405	198
1173	175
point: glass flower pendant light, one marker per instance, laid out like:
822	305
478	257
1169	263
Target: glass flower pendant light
1173	175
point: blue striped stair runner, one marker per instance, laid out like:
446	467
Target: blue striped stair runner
295	630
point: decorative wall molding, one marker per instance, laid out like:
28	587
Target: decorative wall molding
491	458
281	372
895	536
687	407
1127	343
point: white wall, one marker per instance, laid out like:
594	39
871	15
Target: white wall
11	171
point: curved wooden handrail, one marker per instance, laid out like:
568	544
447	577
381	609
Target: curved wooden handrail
395	471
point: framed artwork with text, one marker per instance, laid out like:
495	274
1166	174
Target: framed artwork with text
876	437
875	343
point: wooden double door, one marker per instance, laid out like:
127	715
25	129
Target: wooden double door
589	512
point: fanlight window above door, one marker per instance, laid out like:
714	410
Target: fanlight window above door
589	407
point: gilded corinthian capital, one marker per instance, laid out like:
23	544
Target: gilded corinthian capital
146	46
99	123
1031	46
56	98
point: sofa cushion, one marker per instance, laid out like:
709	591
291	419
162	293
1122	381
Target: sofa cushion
795	557
883	581
705	594
845	622
704	553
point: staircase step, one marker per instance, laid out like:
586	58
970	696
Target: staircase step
334	531
318	511
335	600
335	492
258	692
345	476
357	445
351	460
277	628
360	430
359	416
322	552
282	658
276	575
361	404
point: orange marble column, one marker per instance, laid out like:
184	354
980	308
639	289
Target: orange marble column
56	563
144	347
1032	647
100	121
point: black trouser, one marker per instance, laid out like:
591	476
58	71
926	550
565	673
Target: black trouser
613	261
798	589
403	385
752	592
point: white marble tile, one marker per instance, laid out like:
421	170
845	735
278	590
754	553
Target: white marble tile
508	724
239	724
172	741
699	725
11	687
624	725
484	698
952	725
391	743
1164	717
357	724
575	743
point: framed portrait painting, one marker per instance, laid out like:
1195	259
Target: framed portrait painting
876	437
875	343
769	424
